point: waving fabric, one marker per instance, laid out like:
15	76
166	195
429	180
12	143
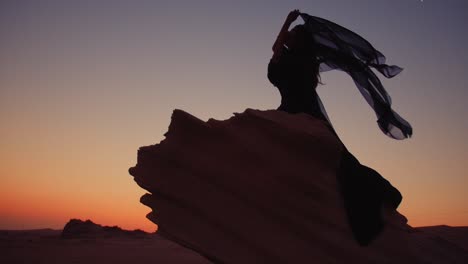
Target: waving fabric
341	49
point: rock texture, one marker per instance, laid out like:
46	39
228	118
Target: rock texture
261	187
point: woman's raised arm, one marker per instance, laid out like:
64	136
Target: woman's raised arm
282	36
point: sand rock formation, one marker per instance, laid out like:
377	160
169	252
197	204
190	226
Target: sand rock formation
261	187
76	228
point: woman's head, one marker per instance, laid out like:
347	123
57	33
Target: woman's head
300	39
302	43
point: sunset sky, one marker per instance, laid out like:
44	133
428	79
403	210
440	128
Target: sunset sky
84	84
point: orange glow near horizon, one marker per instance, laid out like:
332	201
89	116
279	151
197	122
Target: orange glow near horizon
49	200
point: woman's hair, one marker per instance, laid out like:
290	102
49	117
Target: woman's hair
301	34
307	46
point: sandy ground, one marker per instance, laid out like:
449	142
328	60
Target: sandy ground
46	246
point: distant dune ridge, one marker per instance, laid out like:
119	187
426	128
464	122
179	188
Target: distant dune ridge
76	228
261	187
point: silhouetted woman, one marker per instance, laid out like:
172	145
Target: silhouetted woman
320	45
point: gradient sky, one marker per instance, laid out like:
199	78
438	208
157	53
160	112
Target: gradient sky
84	84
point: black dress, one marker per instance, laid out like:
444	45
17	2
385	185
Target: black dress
364	190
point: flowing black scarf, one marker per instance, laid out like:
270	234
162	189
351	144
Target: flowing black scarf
340	48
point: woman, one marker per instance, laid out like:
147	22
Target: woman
294	69
298	57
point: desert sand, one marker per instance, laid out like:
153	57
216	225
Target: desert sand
47	246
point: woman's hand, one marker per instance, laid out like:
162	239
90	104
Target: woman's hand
282	36
293	15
